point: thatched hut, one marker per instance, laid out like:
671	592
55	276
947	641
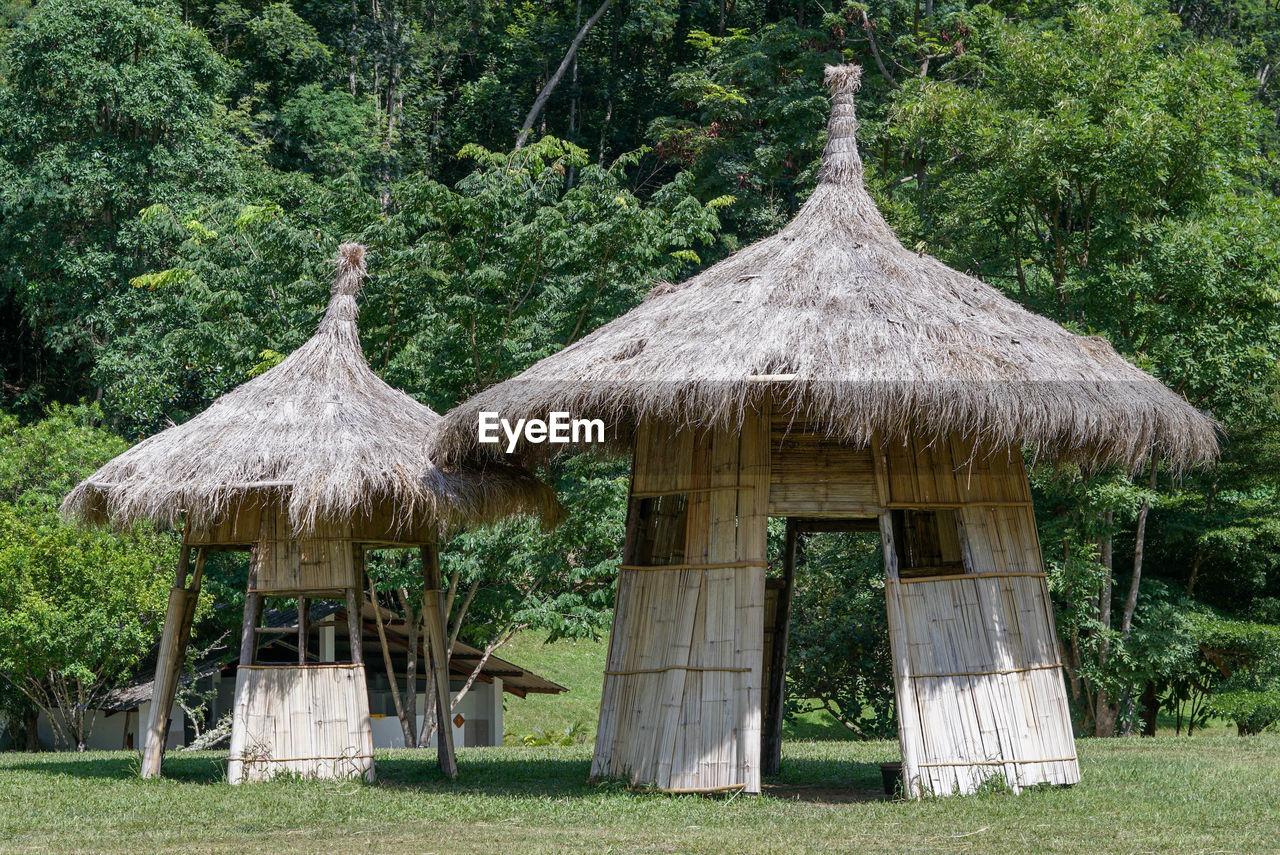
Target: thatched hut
307	466
831	376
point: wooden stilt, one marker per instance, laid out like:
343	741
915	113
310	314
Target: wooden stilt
170	658
304	615
434	619
771	763
252	615
355	626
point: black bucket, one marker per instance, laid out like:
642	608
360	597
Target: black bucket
891	775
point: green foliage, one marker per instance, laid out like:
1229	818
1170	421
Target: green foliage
559	583
838	650
107	107
1252	711
575	734
752	109
41	462
174	179
78	608
482	279
1246	657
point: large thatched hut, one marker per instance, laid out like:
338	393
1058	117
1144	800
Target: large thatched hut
831	376
307	466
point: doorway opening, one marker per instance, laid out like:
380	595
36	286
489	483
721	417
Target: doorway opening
827	667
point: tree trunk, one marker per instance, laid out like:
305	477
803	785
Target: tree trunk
413	621
1139	541
1150	709
545	94
406	726
31	723
1104	712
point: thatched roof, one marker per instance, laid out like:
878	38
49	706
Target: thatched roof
321	432
845	327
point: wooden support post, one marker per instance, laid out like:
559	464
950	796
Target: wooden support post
252	613
355	625
434	620
304	614
170	658
771	763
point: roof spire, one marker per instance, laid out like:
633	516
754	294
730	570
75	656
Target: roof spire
349	274
841	163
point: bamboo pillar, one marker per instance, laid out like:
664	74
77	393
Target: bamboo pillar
774	692
170	658
976	662
304	616
682	707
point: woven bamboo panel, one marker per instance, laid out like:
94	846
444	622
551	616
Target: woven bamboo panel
312	721
681	707
952	471
814	476
242	524
325	562
980	685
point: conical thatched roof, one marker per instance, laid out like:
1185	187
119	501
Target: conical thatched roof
321	432
846	327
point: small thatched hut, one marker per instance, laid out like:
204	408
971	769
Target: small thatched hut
307	466
828	375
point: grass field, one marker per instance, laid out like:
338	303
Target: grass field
1210	794
1213	793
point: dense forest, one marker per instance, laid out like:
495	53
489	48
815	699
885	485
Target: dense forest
175	178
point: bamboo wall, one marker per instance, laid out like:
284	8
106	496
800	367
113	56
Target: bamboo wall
261	514
284	564
980	689
681	707
979	685
312	721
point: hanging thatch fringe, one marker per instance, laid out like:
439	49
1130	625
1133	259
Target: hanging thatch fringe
322	433
840	324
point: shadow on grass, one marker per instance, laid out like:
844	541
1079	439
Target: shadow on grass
197	768
826	780
532	773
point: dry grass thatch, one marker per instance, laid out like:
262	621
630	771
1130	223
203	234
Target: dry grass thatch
321	431
840	323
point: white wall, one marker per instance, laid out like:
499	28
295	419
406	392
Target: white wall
108	729
483	703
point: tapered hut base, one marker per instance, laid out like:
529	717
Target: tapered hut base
980	690
311	721
681	707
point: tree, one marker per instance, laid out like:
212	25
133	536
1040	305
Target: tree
482	279
838	651
107	107
78	608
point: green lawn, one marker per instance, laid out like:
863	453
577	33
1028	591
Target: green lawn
1211	794
577	665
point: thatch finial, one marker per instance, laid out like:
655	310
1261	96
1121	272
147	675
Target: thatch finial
841	163
348	275
350	269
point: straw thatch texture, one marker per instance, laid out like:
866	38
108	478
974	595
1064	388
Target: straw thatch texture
847	329
322	433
